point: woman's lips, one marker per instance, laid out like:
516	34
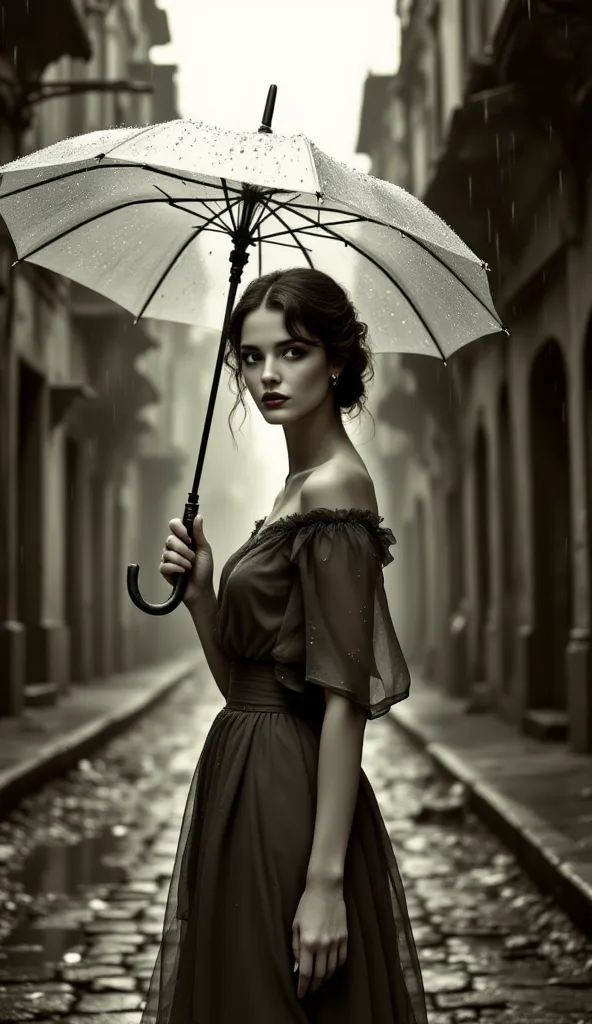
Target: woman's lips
274	403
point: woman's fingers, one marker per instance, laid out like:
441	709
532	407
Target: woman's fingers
171	558
175	549
304	971
170	572
320	970
176	527
296	946
342	954
198	531
332	962
316	965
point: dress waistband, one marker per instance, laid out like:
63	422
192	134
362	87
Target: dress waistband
254	686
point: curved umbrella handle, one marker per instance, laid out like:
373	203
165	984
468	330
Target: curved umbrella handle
180	586
167	606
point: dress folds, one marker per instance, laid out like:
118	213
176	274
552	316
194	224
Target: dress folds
302	608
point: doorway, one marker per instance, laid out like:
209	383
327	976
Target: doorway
551	527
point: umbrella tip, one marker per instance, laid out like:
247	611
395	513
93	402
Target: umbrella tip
269	109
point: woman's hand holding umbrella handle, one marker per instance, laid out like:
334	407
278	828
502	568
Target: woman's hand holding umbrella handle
188	558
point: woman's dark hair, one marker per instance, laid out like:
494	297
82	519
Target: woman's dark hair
311	300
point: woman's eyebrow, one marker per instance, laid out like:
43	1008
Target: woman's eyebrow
277	344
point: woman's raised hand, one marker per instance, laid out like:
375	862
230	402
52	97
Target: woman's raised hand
177	557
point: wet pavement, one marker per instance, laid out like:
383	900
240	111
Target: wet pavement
84	868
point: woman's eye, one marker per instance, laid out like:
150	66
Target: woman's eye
251	357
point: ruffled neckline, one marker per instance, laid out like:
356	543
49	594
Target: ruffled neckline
322	517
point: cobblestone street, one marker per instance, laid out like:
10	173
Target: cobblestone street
84	868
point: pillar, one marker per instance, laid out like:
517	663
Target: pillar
12	634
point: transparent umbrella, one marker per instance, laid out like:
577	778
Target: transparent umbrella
137	213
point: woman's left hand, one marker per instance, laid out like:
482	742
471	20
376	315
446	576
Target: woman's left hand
319	935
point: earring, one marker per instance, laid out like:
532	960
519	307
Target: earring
334	378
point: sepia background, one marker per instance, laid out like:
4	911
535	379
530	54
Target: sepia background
483	109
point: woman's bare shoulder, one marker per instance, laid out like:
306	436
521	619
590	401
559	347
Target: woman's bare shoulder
342	482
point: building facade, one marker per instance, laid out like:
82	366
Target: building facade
488	121
90	446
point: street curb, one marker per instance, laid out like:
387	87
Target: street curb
543	852
57	758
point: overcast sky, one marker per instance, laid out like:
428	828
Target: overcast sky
318	53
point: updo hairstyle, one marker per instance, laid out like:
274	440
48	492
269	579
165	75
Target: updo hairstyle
311	300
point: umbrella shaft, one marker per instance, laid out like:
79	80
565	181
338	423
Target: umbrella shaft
238	259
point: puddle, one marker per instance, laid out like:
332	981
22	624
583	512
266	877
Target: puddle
67	869
70	875
23	955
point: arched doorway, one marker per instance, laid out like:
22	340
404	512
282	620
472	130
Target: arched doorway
456	668
482	553
29	501
506	514
551	522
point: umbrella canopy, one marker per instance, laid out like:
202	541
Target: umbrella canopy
136	214
140	215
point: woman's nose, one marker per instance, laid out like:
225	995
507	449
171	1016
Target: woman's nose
269	373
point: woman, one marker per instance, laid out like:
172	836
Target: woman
286	905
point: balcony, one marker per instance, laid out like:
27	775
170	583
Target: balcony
156	22
39	32
524	124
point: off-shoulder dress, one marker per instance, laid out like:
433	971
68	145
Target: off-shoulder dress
302	608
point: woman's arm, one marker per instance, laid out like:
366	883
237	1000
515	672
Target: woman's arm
203	611
320	927
340	759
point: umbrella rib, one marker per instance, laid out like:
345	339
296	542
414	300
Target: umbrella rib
194	213
131	138
265	205
105	213
226	196
165	274
296	239
180	252
393	281
111	167
422	245
336	223
303	231
285	245
179	204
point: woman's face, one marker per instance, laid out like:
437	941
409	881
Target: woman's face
271	361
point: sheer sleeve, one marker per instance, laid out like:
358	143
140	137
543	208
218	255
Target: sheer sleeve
350	642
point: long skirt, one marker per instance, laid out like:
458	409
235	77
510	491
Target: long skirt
240	871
